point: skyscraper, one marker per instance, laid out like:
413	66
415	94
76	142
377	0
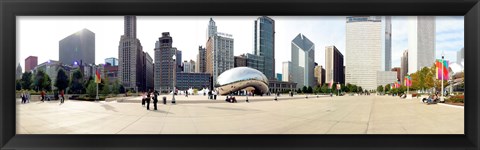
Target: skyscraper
287	68
404	64
421	42
149	74
219	52
320	75
264	44
130	56
368	49
164	63
178	60
303	61
113	61
212	28
334	65
201	60
30	63
18	73
460	55
78	47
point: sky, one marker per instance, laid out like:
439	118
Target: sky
39	35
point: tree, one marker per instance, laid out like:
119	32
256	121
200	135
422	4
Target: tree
26	80
18	85
92	89
387	88
309	89
380	88
352	88
41	81
115	87
62	80
122	89
304	89
360	89
324	88
76	82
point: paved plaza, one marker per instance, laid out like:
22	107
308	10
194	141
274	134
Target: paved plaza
198	115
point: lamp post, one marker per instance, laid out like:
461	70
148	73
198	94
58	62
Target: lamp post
174	76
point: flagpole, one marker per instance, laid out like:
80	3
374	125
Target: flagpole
97	92
441	98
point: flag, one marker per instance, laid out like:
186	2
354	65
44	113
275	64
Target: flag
97	77
439	64
392	86
330	85
408	81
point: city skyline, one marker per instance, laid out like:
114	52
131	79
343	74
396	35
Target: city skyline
322	30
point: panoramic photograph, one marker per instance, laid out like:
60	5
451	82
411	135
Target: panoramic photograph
240	75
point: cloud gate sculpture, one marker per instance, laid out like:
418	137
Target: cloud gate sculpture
239	78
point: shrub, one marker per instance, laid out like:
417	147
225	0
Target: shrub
456	99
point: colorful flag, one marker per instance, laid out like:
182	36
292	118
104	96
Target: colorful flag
97	77
330	85
408	81
439	64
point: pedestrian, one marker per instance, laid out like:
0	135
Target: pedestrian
143	99
42	94
62	98
22	95
155	100
148	99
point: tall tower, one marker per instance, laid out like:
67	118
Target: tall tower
212	28
78	47
264	44
219	52
201	60
333	65
368	49
164	63
421	42
130	56
404	65
303	61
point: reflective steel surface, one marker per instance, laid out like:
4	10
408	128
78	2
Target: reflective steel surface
240	78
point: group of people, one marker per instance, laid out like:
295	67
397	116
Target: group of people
431	99
25	97
231	99
212	94
147	97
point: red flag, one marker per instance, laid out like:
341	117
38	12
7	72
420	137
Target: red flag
97	77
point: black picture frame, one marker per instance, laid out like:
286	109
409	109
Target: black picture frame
9	9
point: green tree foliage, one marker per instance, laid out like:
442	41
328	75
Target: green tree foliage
26	81
309	89
116	87
18	85
122	89
380	89
76	82
62	80
42	81
387	88
304	89
324	88
92	89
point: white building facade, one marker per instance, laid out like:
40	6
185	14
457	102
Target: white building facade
303	61
368	49
421	42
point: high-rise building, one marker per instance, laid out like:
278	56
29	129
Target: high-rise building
404	64
178	60
368	49
460	55
212	28
164	63
421	42
303	61
149	75
219	52
18	73
113	61
320	75
264	44
187	66
240	61
78	47
131	57
255	61
193	63
386	77
287	68
334	65
30	63
279	76
201	60
398	71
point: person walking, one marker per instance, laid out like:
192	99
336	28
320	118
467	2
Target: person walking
22	95
62	98
148	100
155	100
42	94
28	97
143	99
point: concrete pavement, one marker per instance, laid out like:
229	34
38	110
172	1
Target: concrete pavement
324	115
